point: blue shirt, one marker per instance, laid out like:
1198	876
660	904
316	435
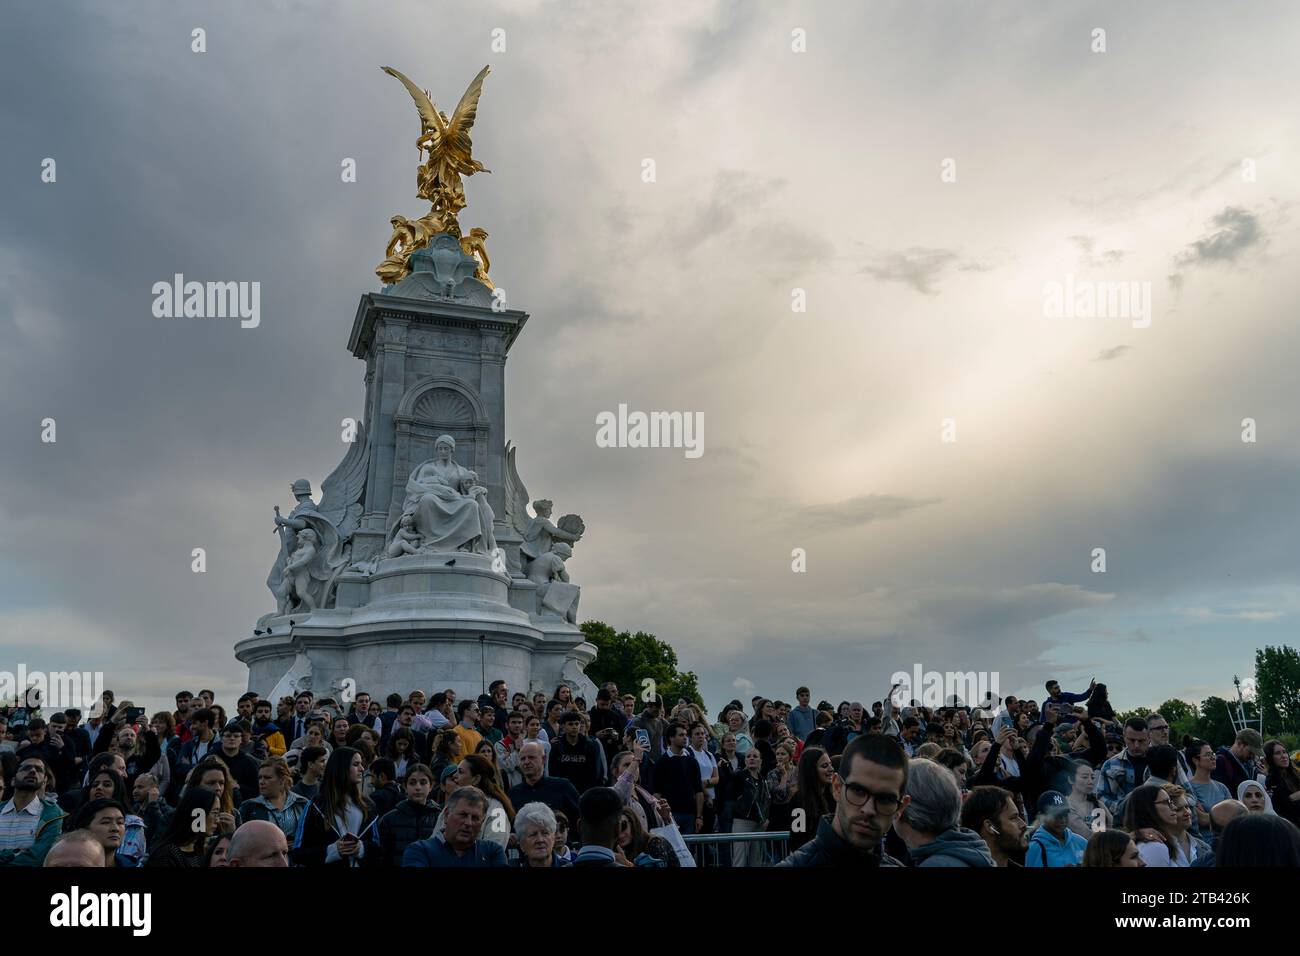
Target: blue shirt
435	851
802	721
593	852
1047	850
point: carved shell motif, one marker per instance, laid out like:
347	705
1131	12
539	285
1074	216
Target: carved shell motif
443	406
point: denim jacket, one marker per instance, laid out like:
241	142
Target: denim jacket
1117	780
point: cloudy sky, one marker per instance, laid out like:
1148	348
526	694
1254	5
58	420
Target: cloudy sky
1163	160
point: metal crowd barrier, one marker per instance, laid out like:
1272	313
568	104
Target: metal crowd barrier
766	848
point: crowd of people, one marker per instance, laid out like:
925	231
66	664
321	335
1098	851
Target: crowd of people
554	781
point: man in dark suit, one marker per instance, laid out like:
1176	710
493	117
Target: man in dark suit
295	725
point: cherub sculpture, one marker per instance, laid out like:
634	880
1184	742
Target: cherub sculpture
406	540
554	591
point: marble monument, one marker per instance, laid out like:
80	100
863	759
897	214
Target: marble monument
421	566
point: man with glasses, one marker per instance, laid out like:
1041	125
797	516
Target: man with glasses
467	727
869	795
30	822
1121	774
57	756
1158	728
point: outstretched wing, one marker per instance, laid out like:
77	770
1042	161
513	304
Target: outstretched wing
516	494
429	118
467	108
340	493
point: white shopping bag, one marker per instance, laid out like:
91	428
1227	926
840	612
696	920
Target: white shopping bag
674	837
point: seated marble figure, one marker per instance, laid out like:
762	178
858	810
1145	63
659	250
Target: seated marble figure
447	508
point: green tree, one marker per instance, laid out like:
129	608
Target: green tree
1277	688
1182	719
1214	725
1123	715
630	659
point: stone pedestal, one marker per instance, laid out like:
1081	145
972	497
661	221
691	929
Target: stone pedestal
435	348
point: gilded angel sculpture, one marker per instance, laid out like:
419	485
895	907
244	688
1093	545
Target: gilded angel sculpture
446	140
446	143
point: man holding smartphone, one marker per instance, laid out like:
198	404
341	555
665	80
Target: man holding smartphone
52	750
1061	700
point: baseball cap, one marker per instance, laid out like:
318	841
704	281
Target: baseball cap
447	771
1053	803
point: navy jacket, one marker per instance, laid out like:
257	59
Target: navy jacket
435	852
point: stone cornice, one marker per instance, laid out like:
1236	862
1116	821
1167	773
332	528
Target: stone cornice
375	307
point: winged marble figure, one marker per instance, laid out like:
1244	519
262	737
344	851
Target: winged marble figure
331	523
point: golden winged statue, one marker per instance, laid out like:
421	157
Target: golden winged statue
446	141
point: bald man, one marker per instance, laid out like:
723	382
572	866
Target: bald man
1224	812
258	843
1221	814
78	848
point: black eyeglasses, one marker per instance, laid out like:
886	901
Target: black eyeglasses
858	795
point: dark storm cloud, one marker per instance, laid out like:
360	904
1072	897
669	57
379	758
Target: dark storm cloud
1235	231
175	434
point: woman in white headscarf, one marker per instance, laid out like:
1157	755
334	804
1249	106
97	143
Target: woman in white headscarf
1255	797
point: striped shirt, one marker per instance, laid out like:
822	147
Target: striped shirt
18	827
